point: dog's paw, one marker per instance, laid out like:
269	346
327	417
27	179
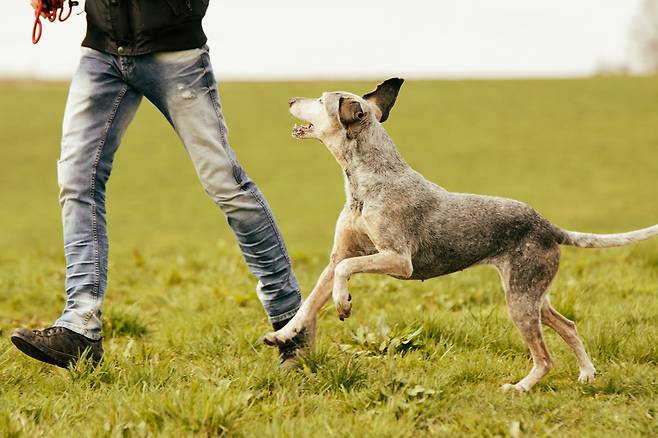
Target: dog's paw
587	376
514	388
271	339
344	309
279	338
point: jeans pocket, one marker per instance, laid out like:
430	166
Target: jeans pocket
188	56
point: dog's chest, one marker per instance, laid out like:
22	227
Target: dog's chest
352	193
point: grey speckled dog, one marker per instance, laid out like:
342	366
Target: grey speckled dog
396	222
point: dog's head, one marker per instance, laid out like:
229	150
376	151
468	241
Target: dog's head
339	117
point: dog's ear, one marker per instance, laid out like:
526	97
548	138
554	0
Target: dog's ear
351	115
383	98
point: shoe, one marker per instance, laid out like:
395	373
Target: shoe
292	351
56	345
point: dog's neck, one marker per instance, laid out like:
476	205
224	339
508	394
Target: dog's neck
366	161
372	152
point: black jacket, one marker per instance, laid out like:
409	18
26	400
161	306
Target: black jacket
137	27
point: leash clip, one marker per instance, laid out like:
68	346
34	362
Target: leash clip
72	3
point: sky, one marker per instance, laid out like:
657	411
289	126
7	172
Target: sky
339	39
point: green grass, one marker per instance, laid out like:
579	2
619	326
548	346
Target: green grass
183	325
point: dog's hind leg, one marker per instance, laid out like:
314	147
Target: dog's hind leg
384	262
567	331
526	276
526	316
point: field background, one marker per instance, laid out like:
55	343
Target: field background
183	325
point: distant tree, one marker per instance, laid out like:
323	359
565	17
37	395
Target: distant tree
645	38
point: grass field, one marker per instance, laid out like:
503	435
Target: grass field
183	325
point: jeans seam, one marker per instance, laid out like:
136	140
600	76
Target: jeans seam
215	104
92	193
273	226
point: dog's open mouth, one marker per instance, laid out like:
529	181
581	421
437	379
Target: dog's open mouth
301	131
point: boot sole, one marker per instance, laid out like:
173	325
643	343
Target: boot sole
43	354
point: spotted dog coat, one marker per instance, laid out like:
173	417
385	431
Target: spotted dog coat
398	223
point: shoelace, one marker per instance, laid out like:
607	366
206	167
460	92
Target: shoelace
48	332
50	8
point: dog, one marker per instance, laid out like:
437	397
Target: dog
398	223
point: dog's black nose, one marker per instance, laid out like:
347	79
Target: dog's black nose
291	101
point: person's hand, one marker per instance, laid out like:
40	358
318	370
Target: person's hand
35	4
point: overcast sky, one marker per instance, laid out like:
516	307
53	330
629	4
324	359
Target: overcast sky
257	39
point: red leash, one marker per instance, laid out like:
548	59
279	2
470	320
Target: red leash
50	8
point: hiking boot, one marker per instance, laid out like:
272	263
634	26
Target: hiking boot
292	351
56	345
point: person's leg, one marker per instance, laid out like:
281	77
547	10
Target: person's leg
182	85
99	108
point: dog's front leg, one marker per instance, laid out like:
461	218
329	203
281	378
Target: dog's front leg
307	311
384	262
344	246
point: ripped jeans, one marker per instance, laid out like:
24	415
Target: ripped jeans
104	95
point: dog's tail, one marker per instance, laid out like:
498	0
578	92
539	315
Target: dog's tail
587	240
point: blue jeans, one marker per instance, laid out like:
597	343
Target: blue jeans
104	95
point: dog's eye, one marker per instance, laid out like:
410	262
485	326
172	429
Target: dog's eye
320	100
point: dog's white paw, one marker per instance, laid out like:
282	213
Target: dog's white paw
279	338
587	376
271	339
514	388
344	307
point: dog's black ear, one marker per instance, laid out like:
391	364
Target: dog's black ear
383	98
351	115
